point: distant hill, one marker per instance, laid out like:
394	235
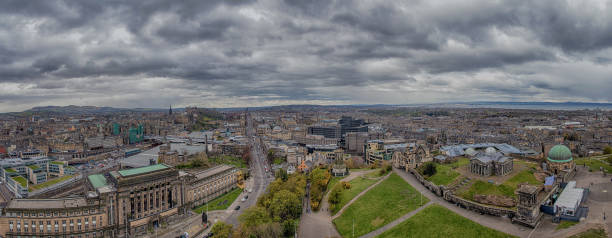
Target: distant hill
80	110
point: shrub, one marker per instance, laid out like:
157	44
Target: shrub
607	150
345	185
429	169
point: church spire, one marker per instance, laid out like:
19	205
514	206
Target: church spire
170	111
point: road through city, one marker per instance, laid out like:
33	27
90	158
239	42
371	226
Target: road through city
260	175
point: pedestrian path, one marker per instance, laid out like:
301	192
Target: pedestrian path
497	223
396	222
359	195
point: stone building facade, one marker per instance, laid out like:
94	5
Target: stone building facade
487	164
64	217
560	159
124	203
203	186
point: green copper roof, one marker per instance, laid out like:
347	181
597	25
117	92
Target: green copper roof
142	170
559	154
97	180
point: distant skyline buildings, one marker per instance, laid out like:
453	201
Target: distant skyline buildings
265	53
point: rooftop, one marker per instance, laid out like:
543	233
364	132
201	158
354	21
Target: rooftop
212	171
142	170
21	180
97	180
46	203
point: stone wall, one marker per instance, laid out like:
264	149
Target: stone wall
447	194
438	190
481	208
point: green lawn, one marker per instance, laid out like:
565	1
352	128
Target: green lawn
525	176
50	182
386	202
21	180
445	173
230	160
218	203
565	224
592	233
594	164
505	189
437	221
357	185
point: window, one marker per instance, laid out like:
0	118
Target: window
41	227
93	222
10	225
101	221
33	226
79	224
56	226
48	226
25	226
64	225
18	226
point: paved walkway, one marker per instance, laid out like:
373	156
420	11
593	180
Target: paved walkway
497	223
359	195
319	224
396	222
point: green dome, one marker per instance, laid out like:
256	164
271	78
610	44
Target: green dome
559	154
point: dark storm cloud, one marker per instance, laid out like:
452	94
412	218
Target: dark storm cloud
300	51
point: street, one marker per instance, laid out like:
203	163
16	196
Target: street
259	177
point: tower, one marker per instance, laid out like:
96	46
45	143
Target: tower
170	111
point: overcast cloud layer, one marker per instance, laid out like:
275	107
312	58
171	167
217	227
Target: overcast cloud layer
216	53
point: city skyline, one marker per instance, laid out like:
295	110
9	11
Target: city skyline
265	53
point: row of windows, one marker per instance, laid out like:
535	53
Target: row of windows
206	190
30	226
52	214
86	235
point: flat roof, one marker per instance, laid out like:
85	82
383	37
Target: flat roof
46	203
570	197
142	170
212	171
97	180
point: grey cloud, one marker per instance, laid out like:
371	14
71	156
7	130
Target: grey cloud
303	51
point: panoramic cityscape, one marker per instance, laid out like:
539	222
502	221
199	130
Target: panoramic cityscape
313	119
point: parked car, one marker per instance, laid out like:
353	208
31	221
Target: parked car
237	208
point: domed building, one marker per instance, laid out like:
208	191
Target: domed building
560	159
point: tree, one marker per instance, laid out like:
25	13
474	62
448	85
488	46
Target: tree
246	155
222	230
285	205
334	196
607	150
254	216
429	169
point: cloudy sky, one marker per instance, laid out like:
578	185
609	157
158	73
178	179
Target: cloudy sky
224	53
